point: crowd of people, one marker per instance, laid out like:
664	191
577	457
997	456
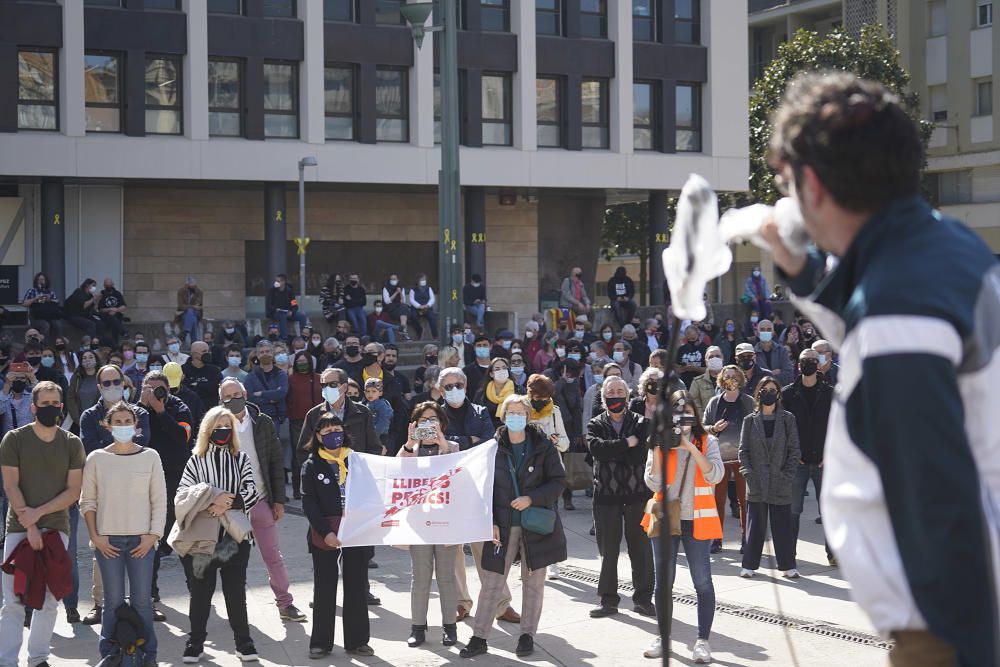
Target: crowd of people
214	440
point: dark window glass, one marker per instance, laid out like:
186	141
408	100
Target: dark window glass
643	20
497	110
338	92
593	18
392	121
688	108
687	21
280	8
225	117
643	116
594	97
225	6
102	3
102	90
281	100
36	91
387	12
548	17
338	10
163	95
494	15
162	4
548	108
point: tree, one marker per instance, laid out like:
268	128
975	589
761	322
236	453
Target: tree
626	232
872	56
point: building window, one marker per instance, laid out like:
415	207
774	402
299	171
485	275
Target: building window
937	18
494	15
548	17
939	103
338	10
688	108
593	18
951	187
102	3
643	21
225	117
161	4
984	98
687	21
497	111
984	14
225	6
163	95
594	97
387	12
643	116
548	108
437	105
36	91
102	88
391	105
279	8
339	101
281	101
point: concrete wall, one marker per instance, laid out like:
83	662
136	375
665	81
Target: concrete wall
569	234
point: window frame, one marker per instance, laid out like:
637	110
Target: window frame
980	6
120	89
602	17
694	22
654	116
978	110
604	112
651	19
353	4
294	111
508	108
240	11
560	104
557	12
176	7
352	114
30	102
399	4
697	117
491	5
937	115
293	7
931	32
241	104
179	107
404	115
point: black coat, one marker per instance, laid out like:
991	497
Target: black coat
540	476
811	418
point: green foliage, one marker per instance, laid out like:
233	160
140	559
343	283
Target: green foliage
872	56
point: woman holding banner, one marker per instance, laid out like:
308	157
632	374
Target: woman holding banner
324	480
529	478
428	422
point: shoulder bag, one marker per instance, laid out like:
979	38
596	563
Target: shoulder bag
538	520
654	508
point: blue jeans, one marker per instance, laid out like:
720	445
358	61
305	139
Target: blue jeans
804	473
359	323
389	329
282	317
479	311
189	321
431	318
73	599
140	582
700	566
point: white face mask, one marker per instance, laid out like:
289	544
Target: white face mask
714	364
501	375
822	359
277	284
455	397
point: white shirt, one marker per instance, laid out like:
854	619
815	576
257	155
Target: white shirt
245	430
652	343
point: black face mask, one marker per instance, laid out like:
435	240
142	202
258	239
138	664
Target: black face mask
369	358
539	404
235	405
768	398
356	399
747	364
354	283
60	346
352	350
808	367
221	437
615	405
341	336
48	415
34	361
431	359
272	337
206	358
18	386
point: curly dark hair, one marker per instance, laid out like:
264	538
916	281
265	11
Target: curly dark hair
853	133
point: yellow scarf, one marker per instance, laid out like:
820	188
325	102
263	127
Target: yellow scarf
491	394
538	415
365	376
339	457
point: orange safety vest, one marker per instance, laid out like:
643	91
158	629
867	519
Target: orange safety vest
706	516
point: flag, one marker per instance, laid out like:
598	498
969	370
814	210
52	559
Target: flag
444	499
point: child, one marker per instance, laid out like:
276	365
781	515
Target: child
381	410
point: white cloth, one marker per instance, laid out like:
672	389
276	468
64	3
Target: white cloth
244	428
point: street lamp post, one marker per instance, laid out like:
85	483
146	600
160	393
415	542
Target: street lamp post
302	241
449	185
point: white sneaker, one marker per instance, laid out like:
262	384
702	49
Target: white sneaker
702	652
791	574
553	571
655	650
745	573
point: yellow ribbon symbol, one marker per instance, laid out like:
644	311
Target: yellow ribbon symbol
454	295
447	236
277	216
302	244
453	246
56	219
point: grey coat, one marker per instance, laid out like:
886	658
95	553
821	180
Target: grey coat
769	470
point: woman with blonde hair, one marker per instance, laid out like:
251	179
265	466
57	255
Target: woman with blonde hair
449	356
217	480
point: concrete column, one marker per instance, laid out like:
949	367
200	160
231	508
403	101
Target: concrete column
724	32
275	233
72	110
196	71
620	95
475	231
54	235
422	90
522	22
311	80
658	236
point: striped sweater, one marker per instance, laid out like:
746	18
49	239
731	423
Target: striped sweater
231	474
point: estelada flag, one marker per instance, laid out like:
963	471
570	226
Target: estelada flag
445	499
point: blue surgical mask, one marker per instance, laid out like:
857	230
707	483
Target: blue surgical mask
765	336
142	357
125	394
518	371
482	353
458	340
578	335
331	394
574	355
822	359
516	423
234	361
174	348
156	367
123	433
48	362
607	335
505	344
730	328
281	358
618	356
469	337
455	396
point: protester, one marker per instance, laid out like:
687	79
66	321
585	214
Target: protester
518	372
769	459
190	307
621	295
111	308
282	305
474	299
567	393
200	375
218	480
431	391
421	298
394	300
546	353
353	363
773	356
234	364
495	387
267	388
647	396
705	386
756	294
429	358
827	368
355	300
630	371
746	359
304	391
573	293
124	502
43	306
380	322
83	391
431	559
80	308
528	473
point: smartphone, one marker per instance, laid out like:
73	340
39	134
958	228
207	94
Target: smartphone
424	433
20	367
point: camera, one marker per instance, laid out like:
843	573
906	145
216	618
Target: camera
424	433
160	393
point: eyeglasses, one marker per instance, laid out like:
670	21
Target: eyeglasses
111	383
456	385
333	384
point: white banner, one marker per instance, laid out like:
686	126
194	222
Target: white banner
444	499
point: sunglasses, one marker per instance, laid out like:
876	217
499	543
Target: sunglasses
333	384
111	383
457	385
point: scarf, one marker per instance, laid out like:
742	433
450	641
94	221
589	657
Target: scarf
365	376
544	413
491	395
339	457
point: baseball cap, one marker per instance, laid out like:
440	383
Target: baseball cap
742	348
174	374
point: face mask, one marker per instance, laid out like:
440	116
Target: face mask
317	341
111	394
128	354
516	423
48	362
482	353
714	364
206	358
518	371
515	350
230	331
173	348
48	415
18	386
574	355
378	310
607	335
768	398
277	284
505	344
156	367
272	337
578	335
235	405
369	358
281	358
476	284
756	274
34	361
529	334
618	356
599	379
352	350
469	337
822	359
93	290
234	362
423	283
455	396
754	319
60	347
808	333
501	375
560	352
808	367
458	340
746	363
393	283
123	433
569	379
765	336
89	363
354	282
615	405
302	368
331	394
333	440
431	359
538	404
356	399
221	437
